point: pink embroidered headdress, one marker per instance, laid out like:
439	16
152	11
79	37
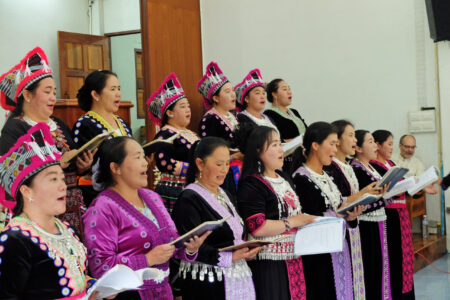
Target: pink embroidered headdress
32	68
250	81
210	83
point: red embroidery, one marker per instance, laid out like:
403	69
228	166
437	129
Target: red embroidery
407	251
289	198
297	285
255	222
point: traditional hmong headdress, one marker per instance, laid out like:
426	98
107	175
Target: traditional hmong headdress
168	93
250	81
32	153
210	83
33	67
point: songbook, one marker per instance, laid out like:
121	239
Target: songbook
424	180
159	145
366	199
289	147
392	176
90	146
324	235
122	278
401	187
198	231
252	244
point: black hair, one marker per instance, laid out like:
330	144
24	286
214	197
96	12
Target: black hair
360	134
256	142
316	132
18	111
165	118
380	136
95	81
110	151
18	209
202	149
340	125
403	137
272	87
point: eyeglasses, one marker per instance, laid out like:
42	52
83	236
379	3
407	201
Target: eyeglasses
409	147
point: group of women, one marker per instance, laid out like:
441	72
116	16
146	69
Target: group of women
234	168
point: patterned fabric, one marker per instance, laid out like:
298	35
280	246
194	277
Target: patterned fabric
210	83
342	270
264	121
386	280
238	280
253	79
167	94
67	256
229	123
297	285
255	222
357	264
32	68
407	251
29	155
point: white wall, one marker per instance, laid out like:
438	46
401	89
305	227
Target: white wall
121	15
366	61
26	24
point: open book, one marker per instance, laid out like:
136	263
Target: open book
414	184
366	199
159	145
324	235
89	146
394	175
289	147
252	244
198	231
424	180
401	187
121	278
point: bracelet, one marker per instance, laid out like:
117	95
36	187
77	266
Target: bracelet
189	253
287	225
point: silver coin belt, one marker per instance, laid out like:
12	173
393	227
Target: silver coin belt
238	270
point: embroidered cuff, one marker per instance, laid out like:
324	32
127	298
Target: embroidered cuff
225	259
255	222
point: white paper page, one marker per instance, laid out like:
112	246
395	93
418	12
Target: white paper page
117	279
289	147
427	178
325	237
401	187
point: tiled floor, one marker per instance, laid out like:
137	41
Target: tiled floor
429	284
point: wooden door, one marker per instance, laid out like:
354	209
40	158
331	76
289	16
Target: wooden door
171	42
79	55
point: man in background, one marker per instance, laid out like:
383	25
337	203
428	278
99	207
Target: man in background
406	158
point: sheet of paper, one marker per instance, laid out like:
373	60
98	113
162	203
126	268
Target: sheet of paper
424	180
289	147
324	236
401	187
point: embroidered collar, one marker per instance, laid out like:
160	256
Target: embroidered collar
108	126
290	116
190	136
50	122
264	121
229	120
349	175
328	188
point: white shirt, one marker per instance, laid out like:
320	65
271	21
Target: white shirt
415	166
